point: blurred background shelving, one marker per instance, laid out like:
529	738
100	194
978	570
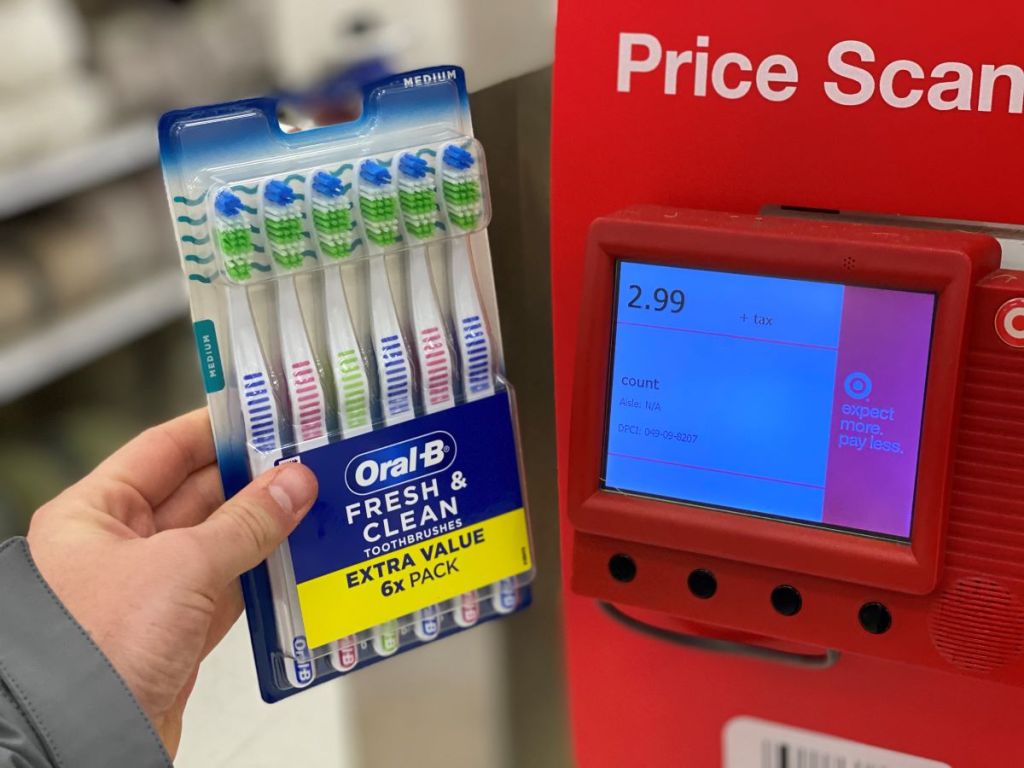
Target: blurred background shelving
77	168
85	334
95	343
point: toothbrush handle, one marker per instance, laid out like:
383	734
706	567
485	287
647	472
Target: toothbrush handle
259	410
432	353
393	369
308	412
353	394
298	661
298	664
345	654
436	386
471	328
350	382
305	392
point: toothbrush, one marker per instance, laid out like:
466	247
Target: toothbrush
417	197
418	202
260	416
283	221
334	227
461	192
460	186
378	206
284	225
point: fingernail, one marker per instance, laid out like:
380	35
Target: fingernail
292	487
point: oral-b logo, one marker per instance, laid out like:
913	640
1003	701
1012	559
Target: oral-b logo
399	463
303	665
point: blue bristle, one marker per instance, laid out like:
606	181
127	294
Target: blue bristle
410	165
457	157
374	173
228	203
279	193
327	184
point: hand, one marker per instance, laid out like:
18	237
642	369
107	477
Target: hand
146	556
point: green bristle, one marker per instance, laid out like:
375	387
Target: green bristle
462	197
336	249
461	192
380	216
378	210
336	221
420	228
238	269
287	257
417	198
464	220
284	231
236	241
420	201
380	222
236	247
388	236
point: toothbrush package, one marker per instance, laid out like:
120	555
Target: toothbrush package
344	315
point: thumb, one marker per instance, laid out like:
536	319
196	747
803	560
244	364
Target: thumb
249	526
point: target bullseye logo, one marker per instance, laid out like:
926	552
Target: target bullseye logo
1010	322
857	385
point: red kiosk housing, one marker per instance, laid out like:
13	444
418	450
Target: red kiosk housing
949	690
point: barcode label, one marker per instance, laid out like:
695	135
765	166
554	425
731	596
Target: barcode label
751	743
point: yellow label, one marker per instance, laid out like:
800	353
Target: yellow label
359	597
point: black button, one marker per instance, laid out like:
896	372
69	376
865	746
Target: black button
875	618
622	567
702	583
786	600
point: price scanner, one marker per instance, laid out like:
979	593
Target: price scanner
796	437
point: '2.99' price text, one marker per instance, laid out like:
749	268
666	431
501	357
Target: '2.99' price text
659	300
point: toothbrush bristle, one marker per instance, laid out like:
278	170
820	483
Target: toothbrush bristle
412	166
375	173
458	158
279	193
378	204
461	187
228	204
417	196
233	236
282	219
327	184
332	215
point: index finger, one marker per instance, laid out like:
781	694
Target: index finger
160	459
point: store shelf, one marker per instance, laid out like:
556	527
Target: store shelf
80	337
122	151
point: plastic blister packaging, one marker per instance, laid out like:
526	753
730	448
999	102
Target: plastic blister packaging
345	318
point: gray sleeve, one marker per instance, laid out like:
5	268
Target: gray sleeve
62	704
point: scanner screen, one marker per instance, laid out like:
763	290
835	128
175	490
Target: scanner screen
768	396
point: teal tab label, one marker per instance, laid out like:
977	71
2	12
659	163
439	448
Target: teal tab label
209	355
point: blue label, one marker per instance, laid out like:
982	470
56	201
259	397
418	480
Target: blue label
405	484
209	355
